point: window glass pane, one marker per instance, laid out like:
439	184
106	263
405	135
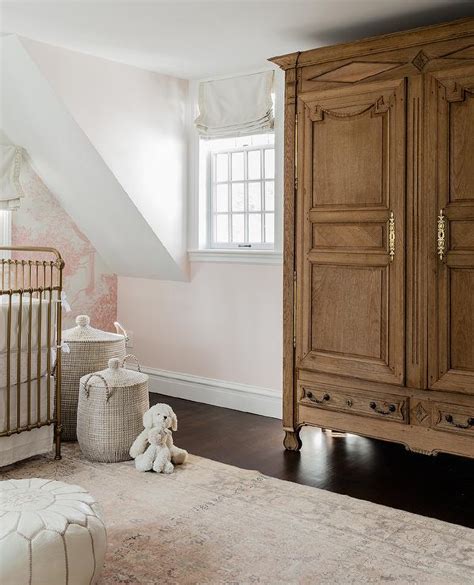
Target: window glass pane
255	200
242	207
269	195
255	227
269	228
222	168
222	228
241	141
222	198
269	163
5	232
254	164
238	230
237	166
219	143
237	197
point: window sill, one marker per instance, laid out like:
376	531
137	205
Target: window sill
236	256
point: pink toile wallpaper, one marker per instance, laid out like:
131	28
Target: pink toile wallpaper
90	287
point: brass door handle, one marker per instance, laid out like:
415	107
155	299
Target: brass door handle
391	236
441	235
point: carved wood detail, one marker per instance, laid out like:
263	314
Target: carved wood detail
451	313
430	452
420	60
456	92
415	228
384	126
355	71
420	413
376	405
346	175
317	112
464	53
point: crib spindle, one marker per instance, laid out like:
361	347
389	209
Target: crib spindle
29	287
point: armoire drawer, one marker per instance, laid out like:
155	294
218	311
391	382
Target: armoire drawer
378	405
453	417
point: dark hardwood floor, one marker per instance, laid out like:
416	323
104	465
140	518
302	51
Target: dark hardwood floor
440	487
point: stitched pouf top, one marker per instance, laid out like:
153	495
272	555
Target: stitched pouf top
51	533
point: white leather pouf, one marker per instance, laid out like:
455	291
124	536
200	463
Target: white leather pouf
51	533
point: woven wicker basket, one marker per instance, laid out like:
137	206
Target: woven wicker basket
110	411
89	351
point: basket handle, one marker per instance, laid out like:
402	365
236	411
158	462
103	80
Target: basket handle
108	394
130	355
120	330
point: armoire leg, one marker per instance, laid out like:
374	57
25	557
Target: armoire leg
292	441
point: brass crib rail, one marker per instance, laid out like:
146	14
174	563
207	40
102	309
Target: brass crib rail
30	283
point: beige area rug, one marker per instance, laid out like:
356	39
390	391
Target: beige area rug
211	523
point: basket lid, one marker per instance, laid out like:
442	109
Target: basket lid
84	332
116	376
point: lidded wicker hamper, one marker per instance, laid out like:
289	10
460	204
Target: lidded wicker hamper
89	351
110	411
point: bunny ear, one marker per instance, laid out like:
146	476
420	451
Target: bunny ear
174	421
148	419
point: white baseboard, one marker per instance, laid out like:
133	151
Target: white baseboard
242	397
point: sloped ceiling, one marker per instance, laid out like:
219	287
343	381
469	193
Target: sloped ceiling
34	117
202	38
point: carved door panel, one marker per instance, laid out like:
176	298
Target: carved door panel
450	177
350	232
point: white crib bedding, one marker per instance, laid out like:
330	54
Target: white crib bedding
23	366
43	382
28	443
39	313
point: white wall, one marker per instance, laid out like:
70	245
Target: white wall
33	116
219	334
225	324
218	337
136	120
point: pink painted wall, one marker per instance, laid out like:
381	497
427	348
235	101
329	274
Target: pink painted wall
90	286
225	324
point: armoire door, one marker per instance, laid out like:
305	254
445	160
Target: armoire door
450	178
350	231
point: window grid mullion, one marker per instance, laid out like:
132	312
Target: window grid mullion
245	181
246	198
212	229
229	197
262	194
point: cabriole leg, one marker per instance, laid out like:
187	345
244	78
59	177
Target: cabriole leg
292	441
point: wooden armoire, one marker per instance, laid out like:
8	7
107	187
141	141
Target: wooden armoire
379	239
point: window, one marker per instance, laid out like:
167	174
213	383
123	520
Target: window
5	227
236	190
5	231
241	176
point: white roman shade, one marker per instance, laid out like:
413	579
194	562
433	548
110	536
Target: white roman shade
237	106
11	158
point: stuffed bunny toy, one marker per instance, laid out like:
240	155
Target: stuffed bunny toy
157	455
159	416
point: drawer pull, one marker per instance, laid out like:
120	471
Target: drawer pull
313	398
391	408
469	423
